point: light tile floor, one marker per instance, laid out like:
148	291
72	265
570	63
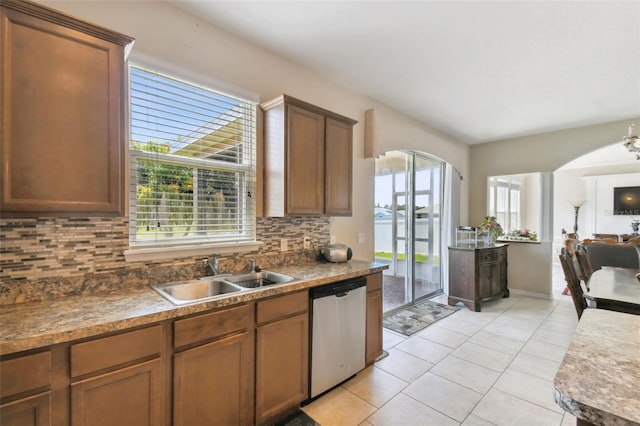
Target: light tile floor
494	367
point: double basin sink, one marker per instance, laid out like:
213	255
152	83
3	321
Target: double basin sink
207	288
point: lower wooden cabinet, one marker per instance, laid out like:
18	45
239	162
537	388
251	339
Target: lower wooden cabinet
132	396
247	364
25	390
282	355
119	379
213	383
213	368
374	317
31	411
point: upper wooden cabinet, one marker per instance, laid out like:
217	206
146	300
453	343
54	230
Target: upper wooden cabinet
62	123
308	159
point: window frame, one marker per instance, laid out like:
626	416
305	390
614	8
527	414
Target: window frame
510	187
186	247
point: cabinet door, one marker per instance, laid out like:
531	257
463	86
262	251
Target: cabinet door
496	280
282	366
132	396
462	275
32	411
62	143
374	317
486	277
338	166
305	162
213	383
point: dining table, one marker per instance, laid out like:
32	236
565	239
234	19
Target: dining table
616	289
597	381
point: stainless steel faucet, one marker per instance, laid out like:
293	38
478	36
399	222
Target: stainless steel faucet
215	266
253	264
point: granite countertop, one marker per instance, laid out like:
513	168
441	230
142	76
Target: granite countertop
598	378
37	324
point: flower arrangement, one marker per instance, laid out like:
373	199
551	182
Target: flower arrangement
491	227
522	234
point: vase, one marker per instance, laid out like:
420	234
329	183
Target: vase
489	239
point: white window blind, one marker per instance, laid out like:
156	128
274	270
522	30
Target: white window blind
192	163
504	202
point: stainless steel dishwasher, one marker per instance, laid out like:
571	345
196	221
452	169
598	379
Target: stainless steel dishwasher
338	333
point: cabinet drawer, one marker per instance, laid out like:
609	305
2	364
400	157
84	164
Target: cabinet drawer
110	351
488	256
283	306
25	374
215	324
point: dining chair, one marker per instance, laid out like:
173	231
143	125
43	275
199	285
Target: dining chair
570	244
618	255
584	264
569	235
573	282
614	237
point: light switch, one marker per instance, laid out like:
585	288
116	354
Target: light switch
360	237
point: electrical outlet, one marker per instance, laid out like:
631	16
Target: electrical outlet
284	244
360	237
306	243
332	239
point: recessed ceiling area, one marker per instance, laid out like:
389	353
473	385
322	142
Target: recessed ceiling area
478	71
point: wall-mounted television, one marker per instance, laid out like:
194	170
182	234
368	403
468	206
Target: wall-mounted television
626	200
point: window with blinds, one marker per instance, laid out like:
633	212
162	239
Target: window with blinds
504	202
192	163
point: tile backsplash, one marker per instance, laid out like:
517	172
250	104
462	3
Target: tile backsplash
41	258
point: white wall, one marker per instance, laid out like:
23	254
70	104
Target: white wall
176	42
600	217
596	215
532	207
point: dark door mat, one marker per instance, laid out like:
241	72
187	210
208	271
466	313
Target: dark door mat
299	418
417	317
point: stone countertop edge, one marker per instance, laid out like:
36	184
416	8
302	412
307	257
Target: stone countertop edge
28	326
597	380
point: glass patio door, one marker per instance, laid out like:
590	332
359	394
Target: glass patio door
407	227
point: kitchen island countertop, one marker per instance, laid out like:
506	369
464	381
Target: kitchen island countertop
33	325
598	378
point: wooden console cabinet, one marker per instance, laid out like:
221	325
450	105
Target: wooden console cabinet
477	274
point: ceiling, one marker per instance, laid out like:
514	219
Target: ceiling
478	71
